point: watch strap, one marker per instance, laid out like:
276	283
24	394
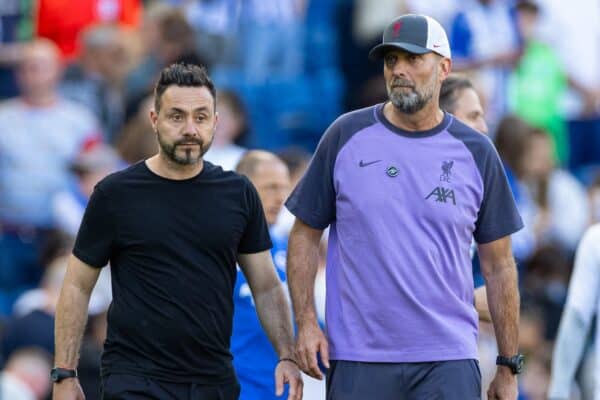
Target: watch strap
58	374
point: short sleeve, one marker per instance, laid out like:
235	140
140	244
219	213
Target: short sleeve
584	287
96	233
498	215
313	199
256	236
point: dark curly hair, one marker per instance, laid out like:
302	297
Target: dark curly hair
186	75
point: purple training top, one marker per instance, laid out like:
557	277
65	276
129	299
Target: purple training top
403	209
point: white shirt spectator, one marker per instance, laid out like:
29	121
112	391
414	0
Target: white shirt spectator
569	208
583	303
36	147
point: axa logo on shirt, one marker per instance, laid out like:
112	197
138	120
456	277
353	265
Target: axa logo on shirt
442	195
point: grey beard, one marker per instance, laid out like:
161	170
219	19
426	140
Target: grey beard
409	103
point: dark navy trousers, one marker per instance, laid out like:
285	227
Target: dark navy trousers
441	380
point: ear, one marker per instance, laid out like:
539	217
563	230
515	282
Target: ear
153	118
445	68
216	120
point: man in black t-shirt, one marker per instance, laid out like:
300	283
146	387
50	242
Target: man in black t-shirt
173	228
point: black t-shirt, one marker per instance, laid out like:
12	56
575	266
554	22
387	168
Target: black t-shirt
172	247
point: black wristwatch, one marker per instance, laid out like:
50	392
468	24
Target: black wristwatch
515	363
58	374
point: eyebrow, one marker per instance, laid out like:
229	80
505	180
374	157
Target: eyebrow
179	110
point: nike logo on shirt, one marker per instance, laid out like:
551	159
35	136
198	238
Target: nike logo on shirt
365	164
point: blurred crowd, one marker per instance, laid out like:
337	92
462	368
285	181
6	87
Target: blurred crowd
76	82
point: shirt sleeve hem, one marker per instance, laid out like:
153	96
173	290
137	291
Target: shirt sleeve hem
89	260
306	216
488	237
258	249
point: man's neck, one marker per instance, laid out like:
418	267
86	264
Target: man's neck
427	118
168	169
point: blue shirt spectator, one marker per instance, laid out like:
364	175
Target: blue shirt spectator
253	356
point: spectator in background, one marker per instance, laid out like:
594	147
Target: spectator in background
271	39
232	128
538	83
136	142
253	356
63	20
458	97
25	376
216	24
594	197
297	160
573	29
96	77
562	204
442	10
582	305
32	320
484	41
33	324
40	134
511	142
546	284
88	168
534	382
14	28
167	38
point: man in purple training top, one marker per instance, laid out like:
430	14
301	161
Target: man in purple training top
405	187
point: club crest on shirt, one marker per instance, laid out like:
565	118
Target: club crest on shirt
446	171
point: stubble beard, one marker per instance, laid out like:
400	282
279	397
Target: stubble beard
188	158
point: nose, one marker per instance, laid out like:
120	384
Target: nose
483	126
282	194
398	69
190	129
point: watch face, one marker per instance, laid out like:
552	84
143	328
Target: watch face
520	359
54	375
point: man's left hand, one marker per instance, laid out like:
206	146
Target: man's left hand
288	372
504	386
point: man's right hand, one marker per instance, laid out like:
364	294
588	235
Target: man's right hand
311	341
68	389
